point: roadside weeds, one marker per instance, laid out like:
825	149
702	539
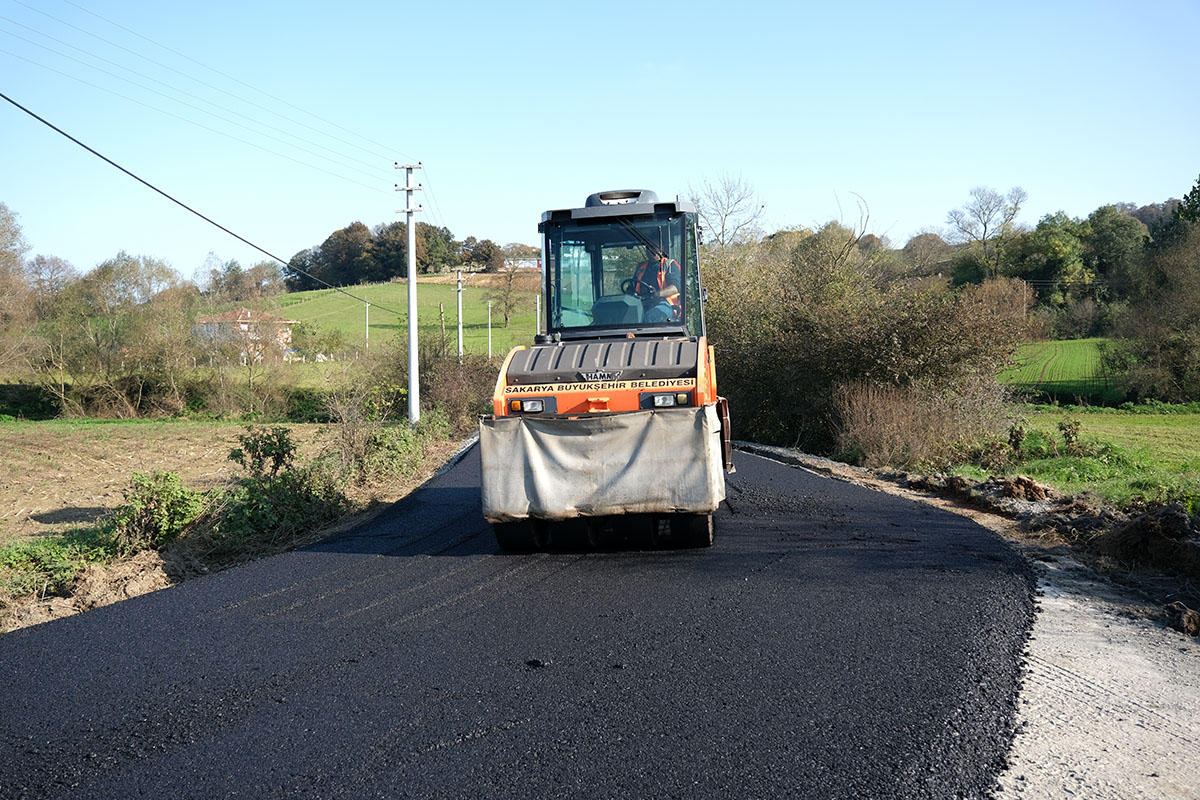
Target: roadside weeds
148	570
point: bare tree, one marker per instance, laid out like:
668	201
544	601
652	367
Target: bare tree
506	296
48	275
730	210
16	316
986	221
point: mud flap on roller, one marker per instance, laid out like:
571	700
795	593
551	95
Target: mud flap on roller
643	462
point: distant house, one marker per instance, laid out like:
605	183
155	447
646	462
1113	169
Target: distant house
255	331
523	263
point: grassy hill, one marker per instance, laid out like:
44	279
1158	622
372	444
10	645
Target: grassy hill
1063	370
333	309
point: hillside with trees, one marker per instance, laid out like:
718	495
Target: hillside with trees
812	324
358	254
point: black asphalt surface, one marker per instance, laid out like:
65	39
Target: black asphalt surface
834	643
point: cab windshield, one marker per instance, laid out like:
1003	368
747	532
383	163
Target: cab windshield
627	273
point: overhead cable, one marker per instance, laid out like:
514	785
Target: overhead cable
193	122
206	83
191	210
186	94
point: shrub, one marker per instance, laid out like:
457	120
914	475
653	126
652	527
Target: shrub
916	426
306	404
796	321
264	453
266	513
156	510
460	391
50	565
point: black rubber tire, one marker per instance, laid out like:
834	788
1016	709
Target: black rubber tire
515	537
692	530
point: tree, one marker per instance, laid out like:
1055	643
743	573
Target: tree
346	255
231	283
304	271
1184	216
436	249
48	275
312	340
389	243
926	253
1158	346
505	296
485	255
1052	256
1189	208
16	313
987	221
730	210
1153	215
514	252
1113	247
264	279
116	340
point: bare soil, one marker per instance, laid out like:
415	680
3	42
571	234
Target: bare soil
63	466
58	475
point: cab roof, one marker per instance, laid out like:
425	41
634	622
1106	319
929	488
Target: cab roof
620	203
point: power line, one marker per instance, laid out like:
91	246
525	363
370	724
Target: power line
187	105
390	149
188	208
433	198
379	155
192	122
181	91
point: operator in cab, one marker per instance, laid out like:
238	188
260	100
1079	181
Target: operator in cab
657	282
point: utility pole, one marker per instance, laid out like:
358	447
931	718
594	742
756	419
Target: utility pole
460	347
414	371
367	309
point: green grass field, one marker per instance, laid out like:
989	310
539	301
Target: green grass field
333	309
1134	457
1062	369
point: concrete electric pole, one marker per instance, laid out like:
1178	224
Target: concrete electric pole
414	371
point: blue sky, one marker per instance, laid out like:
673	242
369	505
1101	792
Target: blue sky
515	109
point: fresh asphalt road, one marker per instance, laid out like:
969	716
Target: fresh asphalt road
834	642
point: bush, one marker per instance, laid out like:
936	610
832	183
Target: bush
264	452
919	427
797	321
460	391
50	565
26	401
156	510
263	513
306	404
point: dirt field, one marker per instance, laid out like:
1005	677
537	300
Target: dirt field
58	474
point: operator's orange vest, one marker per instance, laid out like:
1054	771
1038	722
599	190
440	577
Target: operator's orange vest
661	264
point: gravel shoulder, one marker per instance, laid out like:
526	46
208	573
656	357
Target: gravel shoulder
1110	701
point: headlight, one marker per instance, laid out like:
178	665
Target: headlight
530	406
664	400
